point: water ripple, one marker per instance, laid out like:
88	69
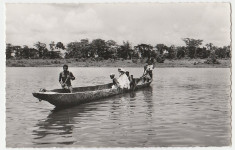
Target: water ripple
183	107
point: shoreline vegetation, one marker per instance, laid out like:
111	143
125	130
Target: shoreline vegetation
177	63
107	53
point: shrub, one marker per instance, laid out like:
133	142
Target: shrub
20	61
142	60
160	59
68	61
212	59
56	62
17	65
134	61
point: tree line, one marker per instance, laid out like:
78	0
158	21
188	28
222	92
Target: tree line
101	49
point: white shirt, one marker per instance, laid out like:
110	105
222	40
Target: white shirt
124	81
150	67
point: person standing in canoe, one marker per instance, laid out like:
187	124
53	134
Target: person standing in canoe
146	75
65	79
150	66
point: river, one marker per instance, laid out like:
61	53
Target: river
183	107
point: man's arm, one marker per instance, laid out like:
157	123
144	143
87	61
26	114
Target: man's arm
116	81
60	78
71	76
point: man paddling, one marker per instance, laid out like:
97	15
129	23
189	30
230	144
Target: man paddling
65	79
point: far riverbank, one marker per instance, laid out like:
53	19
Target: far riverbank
187	63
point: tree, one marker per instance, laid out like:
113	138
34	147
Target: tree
212	59
42	50
145	50
73	50
171	52
59	45
125	51
221	52
160	48
55	54
9	50
203	53
33	53
99	47
180	52
86	48
228	51
25	52
112	48
209	46
17	50
192	45
80	49
52	45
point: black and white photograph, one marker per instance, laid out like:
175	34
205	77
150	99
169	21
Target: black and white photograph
117	75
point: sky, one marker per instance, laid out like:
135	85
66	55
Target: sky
149	23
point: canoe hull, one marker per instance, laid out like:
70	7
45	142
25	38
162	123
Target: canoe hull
73	99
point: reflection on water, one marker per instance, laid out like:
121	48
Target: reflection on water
185	108
63	122
59	122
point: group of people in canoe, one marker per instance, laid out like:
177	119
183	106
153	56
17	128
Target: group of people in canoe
126	81
123	81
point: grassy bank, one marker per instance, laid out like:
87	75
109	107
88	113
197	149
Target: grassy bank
190	63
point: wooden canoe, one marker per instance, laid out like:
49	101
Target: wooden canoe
61	98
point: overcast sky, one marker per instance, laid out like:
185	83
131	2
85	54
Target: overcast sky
138	23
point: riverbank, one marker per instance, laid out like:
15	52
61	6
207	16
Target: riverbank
187	63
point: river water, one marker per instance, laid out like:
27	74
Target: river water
183	107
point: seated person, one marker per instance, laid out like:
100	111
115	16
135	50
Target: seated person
132	82
119	69
115	81
123	80
128	75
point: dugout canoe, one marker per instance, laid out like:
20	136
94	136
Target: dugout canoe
61	97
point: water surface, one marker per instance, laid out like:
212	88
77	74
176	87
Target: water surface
183	107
